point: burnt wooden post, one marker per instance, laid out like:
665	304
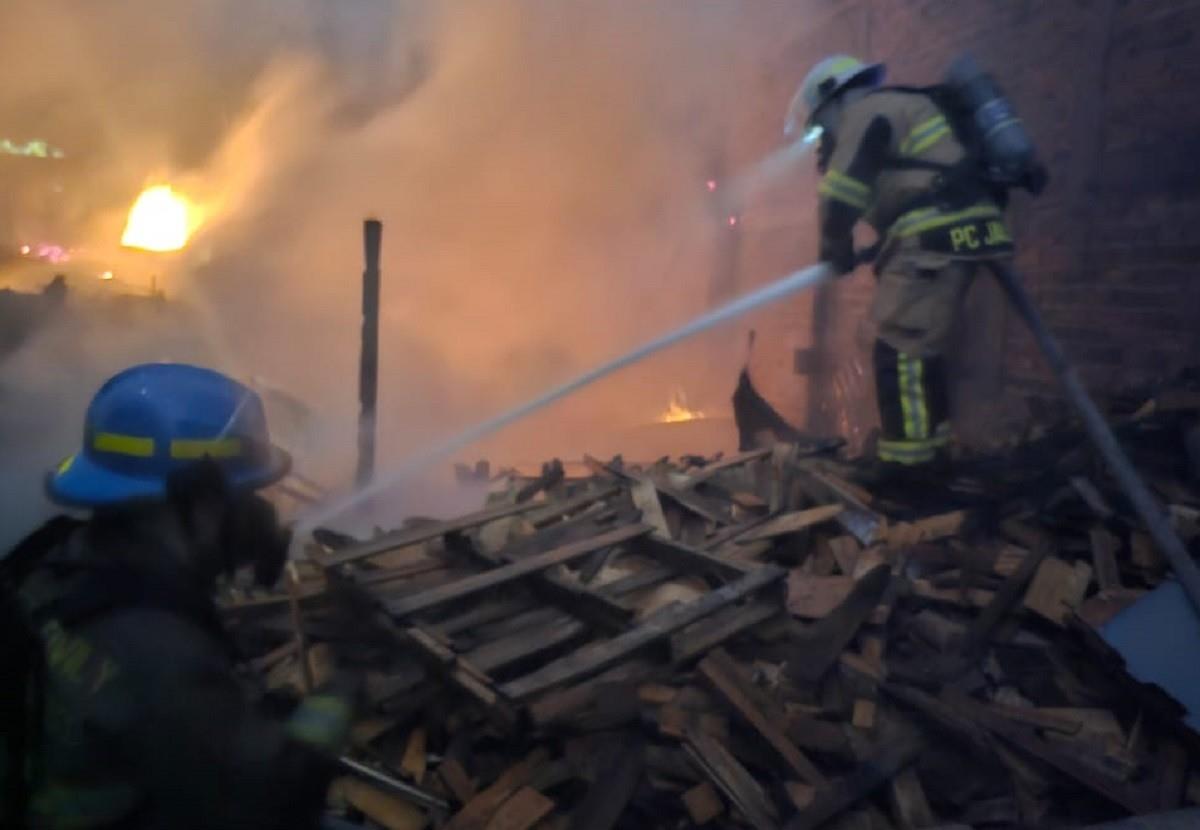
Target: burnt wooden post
368	377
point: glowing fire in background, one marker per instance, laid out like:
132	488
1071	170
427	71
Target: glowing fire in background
677	410
160	220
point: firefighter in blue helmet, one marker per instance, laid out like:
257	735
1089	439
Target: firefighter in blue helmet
132	715
929	169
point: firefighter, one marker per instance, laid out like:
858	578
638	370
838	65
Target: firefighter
135	717
904	161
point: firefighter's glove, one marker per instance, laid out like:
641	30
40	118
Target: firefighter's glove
839	252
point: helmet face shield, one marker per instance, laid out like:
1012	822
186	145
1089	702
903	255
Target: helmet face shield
823	84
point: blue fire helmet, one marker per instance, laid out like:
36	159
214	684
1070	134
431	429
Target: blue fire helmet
150	420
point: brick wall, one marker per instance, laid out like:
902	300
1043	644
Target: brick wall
1108	89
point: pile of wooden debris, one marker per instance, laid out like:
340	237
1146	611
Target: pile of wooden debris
753	641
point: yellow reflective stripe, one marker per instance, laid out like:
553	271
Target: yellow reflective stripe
924	135
927	142
841	187
66	464
193	448
922	412
849	183
925	219
905	452
123	444
321	721
905	401
843	65
856	202
912	397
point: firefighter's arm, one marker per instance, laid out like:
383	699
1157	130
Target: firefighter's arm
208	758
848	189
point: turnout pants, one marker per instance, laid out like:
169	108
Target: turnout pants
916	304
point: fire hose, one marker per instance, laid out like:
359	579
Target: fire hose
1144	503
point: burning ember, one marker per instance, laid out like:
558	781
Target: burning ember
677	410
160	220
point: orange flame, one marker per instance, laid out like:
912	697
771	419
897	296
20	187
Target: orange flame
677	410
160	220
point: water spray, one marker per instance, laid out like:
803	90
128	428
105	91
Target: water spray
771	293
771	169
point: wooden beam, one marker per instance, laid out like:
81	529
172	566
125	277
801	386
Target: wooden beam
857	519
926	530
699	637
731	778
477	812
566	704
522	811
488	580
1058	589
415	536
890	758
458	671
909	804
820	644
1137	798
813	597
692	560
1004	600
618	773
703	804
596	657
793	522
553	511
516	647
758	710
710	470
713	510
1104	558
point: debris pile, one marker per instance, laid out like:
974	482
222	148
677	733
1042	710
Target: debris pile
755	640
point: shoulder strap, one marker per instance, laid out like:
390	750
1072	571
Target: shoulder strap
34	548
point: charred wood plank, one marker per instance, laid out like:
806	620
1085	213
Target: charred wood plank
691	560
793	522
763	715
820	644
888	761
1004	601
477	812
414	536
618	773
698	638
731	778
1143	798
596	657
478	583
856	518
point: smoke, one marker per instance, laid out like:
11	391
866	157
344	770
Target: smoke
539	168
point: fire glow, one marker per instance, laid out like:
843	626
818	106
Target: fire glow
677	410
160	220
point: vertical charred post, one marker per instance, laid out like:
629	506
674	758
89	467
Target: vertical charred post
368	377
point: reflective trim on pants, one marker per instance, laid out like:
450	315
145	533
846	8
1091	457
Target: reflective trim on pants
912	396
907	452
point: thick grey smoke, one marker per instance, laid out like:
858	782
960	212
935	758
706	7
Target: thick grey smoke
539	167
